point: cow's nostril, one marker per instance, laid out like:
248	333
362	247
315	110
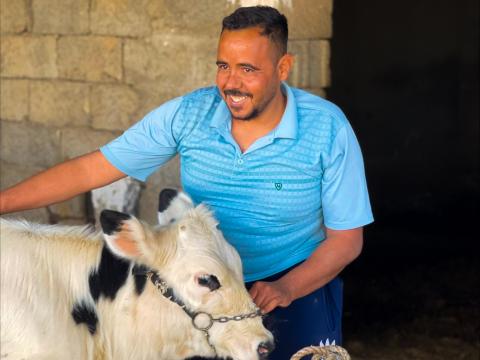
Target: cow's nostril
265	348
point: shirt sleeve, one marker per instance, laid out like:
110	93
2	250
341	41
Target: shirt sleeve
147	145
345	200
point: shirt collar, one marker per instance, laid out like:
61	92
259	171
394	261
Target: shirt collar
287	128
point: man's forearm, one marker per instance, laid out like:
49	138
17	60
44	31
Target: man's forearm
338	250
59	183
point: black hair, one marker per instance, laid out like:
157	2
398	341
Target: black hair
273	23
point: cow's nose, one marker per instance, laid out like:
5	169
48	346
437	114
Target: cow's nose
265	348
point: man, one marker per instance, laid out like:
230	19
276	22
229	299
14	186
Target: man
281	169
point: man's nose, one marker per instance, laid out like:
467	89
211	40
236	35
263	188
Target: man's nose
234	81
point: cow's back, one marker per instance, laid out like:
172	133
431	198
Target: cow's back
42	273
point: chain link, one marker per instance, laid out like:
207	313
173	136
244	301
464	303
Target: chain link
224	319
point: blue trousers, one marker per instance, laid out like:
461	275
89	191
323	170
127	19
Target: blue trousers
311	320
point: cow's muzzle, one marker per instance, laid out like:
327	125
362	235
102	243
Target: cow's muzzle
264	349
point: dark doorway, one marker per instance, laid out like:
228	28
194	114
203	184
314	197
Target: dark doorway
406	75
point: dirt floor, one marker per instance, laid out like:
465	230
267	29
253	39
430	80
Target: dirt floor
417	306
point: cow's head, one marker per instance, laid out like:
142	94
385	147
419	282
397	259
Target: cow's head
190	254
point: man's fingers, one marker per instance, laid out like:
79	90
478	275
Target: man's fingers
269	306
253	291
257	291
265	296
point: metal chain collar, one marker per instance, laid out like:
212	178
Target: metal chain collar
167	291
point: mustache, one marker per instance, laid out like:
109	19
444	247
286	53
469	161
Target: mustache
235	92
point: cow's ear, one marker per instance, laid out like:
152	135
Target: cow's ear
172	206
123	233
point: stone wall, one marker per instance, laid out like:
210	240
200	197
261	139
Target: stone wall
76	73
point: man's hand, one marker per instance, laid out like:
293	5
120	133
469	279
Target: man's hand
268	295
331	256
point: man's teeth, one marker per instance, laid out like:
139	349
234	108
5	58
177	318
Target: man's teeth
237	98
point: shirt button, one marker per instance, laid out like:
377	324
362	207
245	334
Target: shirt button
240	161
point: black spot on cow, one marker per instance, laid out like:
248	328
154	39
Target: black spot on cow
112	220
84	313
165	198
140	276
110	276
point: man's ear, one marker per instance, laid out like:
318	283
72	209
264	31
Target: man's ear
123	233
285	64
172	206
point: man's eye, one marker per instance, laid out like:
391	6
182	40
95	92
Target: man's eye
222	66
248	70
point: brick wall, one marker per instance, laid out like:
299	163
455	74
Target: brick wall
76	73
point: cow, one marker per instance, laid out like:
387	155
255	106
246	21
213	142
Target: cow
128	290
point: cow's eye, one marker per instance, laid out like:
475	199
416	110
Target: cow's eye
209	281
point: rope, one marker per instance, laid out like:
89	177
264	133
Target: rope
329	352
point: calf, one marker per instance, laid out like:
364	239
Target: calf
130	291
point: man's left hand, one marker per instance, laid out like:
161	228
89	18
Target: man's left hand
268	295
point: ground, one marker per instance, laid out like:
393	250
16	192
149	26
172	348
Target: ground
412	302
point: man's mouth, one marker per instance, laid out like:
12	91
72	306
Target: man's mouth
236	99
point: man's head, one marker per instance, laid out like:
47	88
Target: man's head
252	61
272	23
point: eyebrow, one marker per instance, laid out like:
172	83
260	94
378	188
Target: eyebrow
249	65
241	64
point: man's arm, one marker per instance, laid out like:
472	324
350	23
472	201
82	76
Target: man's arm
338	249
59	183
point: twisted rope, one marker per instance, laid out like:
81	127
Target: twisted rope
330	352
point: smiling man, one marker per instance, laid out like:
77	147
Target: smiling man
280	167
251	67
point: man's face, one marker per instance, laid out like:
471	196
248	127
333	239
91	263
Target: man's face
247	74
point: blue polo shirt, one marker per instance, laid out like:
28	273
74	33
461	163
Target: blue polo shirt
273	200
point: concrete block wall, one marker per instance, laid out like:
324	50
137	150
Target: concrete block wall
75	73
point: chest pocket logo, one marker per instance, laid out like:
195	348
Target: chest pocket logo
278	186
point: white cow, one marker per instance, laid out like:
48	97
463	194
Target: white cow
134	292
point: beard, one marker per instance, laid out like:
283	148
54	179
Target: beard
256	109
252	115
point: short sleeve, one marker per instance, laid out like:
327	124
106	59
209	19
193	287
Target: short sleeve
147	145
345	200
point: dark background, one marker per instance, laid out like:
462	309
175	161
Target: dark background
406	75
